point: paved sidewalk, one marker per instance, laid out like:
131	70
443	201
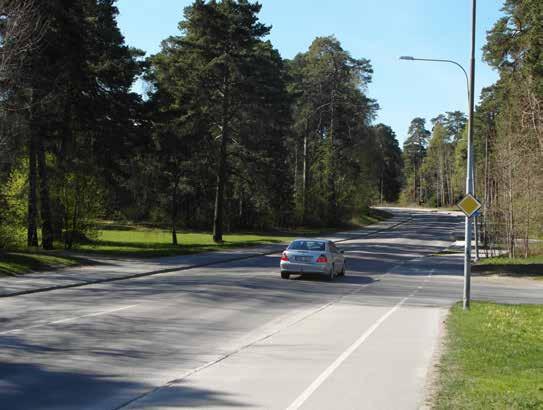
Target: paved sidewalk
111	268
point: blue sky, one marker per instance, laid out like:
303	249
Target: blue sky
380	30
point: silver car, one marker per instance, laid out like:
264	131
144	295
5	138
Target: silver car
313	256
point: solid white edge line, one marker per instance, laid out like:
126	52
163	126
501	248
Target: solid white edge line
324	375
316	384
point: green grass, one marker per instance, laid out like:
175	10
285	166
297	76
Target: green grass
374	216
156	242
538	259
16	263
144	241
529	267
493	358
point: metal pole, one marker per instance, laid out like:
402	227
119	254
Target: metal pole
469	170
476	235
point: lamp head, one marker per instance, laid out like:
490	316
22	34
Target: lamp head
409	58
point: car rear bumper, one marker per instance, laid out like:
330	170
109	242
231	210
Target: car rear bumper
290	267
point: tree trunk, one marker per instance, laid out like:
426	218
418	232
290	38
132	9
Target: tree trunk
415	186
438	192
32	227
304	179
174	215
332	204
75	218
47	224
221	172
296	197
527	216
420	184
241	214
381	188
486	198
511	239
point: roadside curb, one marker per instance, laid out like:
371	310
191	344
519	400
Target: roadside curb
182	268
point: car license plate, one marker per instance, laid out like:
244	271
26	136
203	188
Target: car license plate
303	258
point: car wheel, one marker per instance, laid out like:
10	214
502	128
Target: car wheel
331	274
285	275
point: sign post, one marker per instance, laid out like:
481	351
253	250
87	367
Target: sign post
469	165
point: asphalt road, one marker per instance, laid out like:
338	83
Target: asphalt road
235	335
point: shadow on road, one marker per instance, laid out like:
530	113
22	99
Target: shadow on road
177	395
347	279
27	385
31	386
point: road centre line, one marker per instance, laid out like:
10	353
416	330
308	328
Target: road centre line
71	319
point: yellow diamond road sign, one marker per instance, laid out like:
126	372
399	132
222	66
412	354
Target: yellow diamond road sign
469	205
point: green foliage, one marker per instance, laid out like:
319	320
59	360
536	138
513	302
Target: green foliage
230	134
516	42
438	168
436	162
82	200
389	163
509	130
221	85
332	143
13	209
82	119
414	151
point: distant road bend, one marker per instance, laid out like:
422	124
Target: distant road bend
235	335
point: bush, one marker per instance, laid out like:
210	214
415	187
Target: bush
13	209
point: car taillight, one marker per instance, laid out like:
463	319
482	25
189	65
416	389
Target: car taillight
284	257
322	259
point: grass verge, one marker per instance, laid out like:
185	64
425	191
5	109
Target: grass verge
518	267
16	263
493	358
156	242
140	241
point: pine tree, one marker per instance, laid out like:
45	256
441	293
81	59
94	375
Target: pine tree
414	151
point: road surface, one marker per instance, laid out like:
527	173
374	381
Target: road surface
235	335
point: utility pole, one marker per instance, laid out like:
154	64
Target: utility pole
469	171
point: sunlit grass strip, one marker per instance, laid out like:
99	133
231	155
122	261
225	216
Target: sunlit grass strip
132	240
511	261
15	263
155	243
521	267
493	358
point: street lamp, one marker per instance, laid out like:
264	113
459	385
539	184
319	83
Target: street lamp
469	172
410	58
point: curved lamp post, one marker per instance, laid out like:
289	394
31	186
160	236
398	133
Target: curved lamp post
469	172
436	60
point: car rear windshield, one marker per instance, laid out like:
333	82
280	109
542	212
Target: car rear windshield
307	246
